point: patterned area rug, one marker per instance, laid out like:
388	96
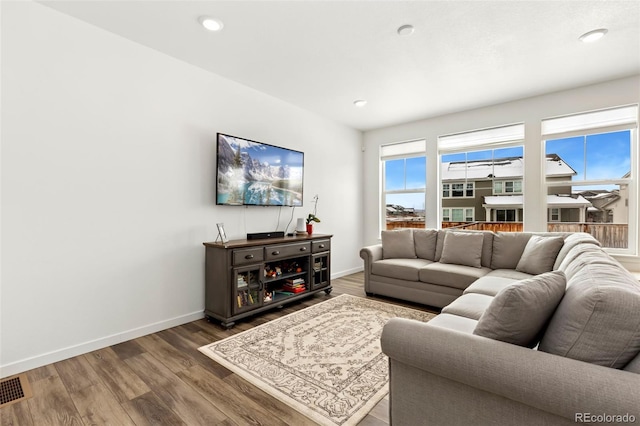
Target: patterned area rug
325	360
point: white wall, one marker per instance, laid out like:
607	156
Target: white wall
108	184
530	111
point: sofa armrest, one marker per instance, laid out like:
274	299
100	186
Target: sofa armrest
547	382
371	253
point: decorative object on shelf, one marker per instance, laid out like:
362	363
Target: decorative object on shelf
300	228
221	234
312	216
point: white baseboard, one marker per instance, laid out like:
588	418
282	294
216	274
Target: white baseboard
83	348
346	272
103	342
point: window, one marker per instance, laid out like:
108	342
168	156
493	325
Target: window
404	182
457	190
505	215
460	214
591	163
484	167
507	187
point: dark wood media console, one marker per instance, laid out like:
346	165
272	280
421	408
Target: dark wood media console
245	277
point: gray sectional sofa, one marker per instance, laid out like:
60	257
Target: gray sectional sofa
535	329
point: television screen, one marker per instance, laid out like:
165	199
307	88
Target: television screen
257	174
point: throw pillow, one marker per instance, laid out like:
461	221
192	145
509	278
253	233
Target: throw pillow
539	254
398	244
462	248
519	313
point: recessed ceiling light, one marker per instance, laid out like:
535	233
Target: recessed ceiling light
592	36
406	30
211	24
360	103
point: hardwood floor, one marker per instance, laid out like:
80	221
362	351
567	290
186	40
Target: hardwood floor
162	379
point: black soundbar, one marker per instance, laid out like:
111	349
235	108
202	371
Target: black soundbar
265	235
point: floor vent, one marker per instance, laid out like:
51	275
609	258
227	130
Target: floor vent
14	389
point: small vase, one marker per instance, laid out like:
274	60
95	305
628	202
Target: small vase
309	228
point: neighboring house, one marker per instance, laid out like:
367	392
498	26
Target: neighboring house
603	204
491	191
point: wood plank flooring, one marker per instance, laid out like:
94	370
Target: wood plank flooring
162	379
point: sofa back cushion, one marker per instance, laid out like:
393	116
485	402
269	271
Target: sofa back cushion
519	312
598	319
425	242
582	255
571	241
398	244
633	365
539	254
462	248
507	249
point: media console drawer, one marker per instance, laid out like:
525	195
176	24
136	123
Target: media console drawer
281	251
320	246
243	257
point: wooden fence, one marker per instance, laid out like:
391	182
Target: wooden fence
612	235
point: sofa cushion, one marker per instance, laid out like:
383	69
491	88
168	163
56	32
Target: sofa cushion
489	285
582	255
398	244
509	273
440	244
470	305
539	254
598	320
520	311
462	248
487	245
570	241
425	242
403	269
507	249
633	365
450	275
454	322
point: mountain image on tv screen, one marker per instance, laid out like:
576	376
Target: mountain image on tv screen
254	173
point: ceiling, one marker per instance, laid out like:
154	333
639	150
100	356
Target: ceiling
323	55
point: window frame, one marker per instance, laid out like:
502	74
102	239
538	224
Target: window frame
464	209
586	128
503	184
465	189
505	210
413	151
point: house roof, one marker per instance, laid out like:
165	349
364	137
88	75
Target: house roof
503	168
565	201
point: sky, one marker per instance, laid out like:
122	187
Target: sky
601	156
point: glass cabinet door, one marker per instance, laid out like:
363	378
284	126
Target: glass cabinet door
320	270
248	294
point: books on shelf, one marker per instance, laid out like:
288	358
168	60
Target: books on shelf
296	285
245	298
241	281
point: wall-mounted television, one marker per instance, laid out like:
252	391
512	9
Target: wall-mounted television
251	173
